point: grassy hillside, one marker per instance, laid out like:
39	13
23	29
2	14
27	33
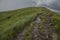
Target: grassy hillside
11	22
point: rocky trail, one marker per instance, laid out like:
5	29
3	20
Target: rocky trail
36	32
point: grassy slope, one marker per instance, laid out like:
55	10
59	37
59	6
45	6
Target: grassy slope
14	21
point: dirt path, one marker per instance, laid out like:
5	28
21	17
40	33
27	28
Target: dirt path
49	29
36	32
21	35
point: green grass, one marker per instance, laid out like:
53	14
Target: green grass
12	22
28	32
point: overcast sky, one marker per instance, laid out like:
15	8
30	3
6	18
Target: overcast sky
17	4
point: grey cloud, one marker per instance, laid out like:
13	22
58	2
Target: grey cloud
16	4
51	4
55	5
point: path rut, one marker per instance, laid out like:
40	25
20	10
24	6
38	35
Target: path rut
35	32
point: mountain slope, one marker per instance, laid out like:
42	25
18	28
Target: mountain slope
13	22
